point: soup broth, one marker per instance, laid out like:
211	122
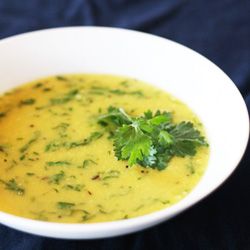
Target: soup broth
57	164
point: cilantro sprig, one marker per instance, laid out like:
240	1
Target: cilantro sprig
151	140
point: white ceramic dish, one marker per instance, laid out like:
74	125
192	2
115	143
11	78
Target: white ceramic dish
166	64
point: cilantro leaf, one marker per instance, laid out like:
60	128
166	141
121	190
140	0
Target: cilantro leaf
165	138
151	140
131	144
186	139
115	117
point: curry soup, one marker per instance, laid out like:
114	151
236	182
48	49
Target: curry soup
57	164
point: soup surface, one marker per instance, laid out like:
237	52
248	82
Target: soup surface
57	164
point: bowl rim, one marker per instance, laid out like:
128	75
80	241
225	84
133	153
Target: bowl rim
116	227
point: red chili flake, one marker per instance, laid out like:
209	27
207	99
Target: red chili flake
45	178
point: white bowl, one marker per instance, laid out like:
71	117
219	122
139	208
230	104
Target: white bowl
163	63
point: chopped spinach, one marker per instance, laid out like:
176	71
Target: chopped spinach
24	102
57	178
65	205
13	186
57	163
35	137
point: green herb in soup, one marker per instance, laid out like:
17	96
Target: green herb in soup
151	140
88	148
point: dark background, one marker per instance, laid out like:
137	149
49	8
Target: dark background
219	30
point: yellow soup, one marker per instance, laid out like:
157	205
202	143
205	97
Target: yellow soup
42	178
